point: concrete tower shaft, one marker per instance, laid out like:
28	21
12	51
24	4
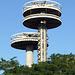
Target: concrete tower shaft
29	55
42	42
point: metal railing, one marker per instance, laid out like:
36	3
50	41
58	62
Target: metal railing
38	3
41	14
24	36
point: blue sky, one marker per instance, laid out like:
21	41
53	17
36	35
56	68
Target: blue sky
61	39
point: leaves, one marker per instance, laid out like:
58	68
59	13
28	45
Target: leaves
7	65
57	64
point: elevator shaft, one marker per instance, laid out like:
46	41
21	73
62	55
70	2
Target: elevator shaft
42	42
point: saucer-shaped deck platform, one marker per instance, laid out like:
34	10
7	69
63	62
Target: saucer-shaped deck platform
23	41
41	10
23	44
32	21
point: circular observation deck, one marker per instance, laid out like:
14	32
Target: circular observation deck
22	40
36	11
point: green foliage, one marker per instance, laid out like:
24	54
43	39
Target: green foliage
57	64
6	66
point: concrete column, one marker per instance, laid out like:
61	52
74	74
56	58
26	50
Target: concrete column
29	55
43	42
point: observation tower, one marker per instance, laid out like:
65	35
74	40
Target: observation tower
40	15
25	41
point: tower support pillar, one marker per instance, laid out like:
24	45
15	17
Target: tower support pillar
42	43
29	55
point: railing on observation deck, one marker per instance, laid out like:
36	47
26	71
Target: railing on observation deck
24	36
49	3
42	14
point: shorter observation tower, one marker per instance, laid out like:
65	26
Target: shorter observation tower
25	41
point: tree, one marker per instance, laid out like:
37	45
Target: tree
6	66
57	64
64	62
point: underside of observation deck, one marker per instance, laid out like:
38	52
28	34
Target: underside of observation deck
34	21
23	44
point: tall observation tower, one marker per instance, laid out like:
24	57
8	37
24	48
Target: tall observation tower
40	15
